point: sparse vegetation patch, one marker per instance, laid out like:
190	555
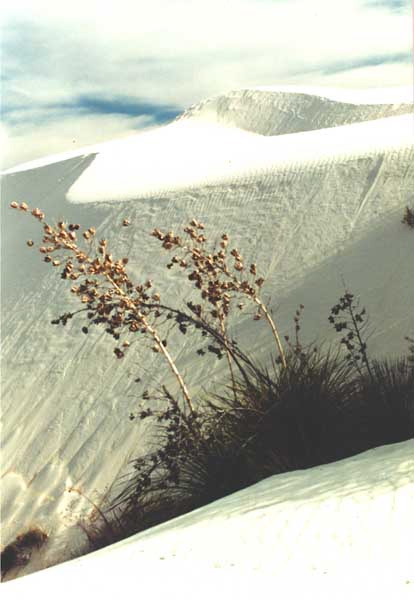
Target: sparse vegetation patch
310	406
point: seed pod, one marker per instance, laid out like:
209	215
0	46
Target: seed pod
14	205
30	243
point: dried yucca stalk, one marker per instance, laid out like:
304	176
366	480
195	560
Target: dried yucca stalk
221	275
103	287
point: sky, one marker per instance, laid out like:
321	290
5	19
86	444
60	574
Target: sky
86	71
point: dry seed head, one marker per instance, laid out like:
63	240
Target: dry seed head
157	234
38	214
24	206
14	205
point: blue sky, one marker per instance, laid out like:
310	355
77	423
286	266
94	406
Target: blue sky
83	72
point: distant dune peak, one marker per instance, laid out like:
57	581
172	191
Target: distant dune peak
279	112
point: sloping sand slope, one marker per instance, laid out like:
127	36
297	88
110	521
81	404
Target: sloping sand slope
338	531
311	208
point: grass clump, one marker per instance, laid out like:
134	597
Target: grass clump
311	407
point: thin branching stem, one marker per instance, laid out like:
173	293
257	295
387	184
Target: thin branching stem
270	321
158	341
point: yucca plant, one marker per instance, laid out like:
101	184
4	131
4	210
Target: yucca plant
311	407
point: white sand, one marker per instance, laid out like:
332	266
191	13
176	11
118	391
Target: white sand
311	207
342	530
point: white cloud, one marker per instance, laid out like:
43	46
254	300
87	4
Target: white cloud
177	52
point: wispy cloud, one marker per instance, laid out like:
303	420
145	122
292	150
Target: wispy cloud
15	113
131	63
393	5
371	61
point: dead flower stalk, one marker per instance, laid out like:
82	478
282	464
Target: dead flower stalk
219	281
104	287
